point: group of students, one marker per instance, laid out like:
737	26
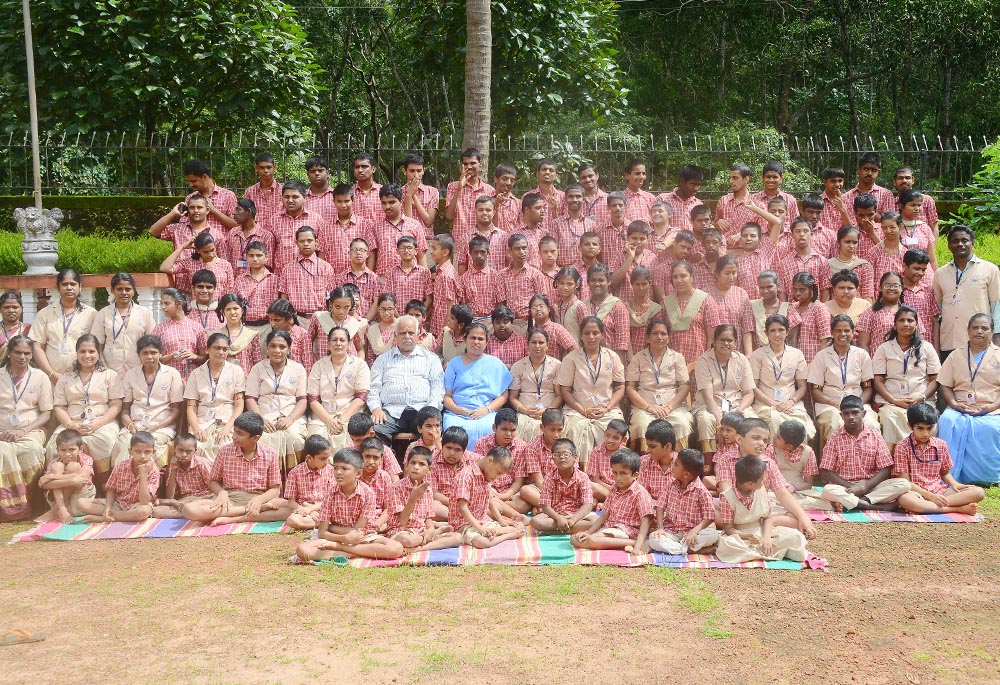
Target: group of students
630	320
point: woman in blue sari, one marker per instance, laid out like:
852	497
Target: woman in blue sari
475	385
970	383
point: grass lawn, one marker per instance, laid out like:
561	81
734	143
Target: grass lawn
902	603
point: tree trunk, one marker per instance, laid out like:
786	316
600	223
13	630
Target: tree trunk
784	94
478	74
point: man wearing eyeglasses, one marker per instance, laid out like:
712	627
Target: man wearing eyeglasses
403	380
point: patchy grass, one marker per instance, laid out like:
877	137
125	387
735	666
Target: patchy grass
695	595
990	507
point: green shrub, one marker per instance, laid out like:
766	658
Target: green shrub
90	254
119	217
982	213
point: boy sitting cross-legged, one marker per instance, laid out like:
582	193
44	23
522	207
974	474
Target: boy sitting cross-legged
599	464
628	510
924	460
750	532
68	478
411	507
473	513
685	514
245	477
347	517
797	463
377	478
505	435
188	476
306	485
444	471
539	459
655	467
567	499
131	488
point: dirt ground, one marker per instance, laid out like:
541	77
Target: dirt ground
902	603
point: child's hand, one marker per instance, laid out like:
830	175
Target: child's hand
419	489
253	506
751	538
691	539
937	499
489	533
562	523
353	536
767	546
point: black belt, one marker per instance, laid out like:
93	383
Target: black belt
255	324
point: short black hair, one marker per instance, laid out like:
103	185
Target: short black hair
504	415
921	412
851	402
349	455
251	422
749	469
315	444
662	432
428	412
692	460
360	424
749	423
792	432
626	458
455	435
421	451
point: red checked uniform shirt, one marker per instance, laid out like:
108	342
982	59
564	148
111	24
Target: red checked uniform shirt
222	199
627	508
423	508
518	287
443	474
306	283
268	202
680	209
567	232
599	465
518	449
684	507
480	290
856	458
653	476
637	205
344	510
193	481
465	210
470	485
258	294
368	204
237	242
283	226
385	234
308	486
923	465
234	471
125	483
566	498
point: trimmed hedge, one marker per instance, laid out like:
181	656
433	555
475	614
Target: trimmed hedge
90	254
119	216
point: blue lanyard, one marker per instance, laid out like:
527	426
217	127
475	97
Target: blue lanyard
906	359
969	355
303	267
151	384
913	446
778	371
86	388
212	383
657	370
590	369
723	376
67	322
843	368
277	378
541	375
13	386
114	313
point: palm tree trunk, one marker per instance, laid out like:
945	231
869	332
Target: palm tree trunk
478	71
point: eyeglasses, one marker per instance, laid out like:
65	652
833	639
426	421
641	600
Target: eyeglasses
726	341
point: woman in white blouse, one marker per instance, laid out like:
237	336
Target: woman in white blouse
276	389
337	389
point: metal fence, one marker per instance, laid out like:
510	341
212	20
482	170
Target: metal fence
142	164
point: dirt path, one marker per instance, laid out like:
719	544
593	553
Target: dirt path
902	604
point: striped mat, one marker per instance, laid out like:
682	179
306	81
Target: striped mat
889	517
151	528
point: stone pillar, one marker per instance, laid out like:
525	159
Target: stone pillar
150	298
88	296
39	226
29	302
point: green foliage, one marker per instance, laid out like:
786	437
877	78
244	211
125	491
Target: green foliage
983	212
209	65
90	254
117	217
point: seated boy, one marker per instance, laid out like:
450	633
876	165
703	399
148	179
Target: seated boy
131	488
752	438
411	507
749	530
655	467
539	458
857	465
567	499
685	514
375	477
797	463
624	523
599	464
307	483
245	477
473	513
429	427
454	458
347	517
727	451
418	310
68	479
923	459
360	427
188	475
505	435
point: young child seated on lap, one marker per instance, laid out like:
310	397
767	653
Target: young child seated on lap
473	513
655	467
749	530
411	507
857	466
454	458
245	477
347	517
797	463
68	479
599	464
923	459
685	514
377	478
567	499
728	451
359	428
188	475
628	511
306	484
131	488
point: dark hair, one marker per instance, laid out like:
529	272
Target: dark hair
776	167
92	339
662	432
14	342
504	169
294	184
792	432
724	261
640	272
845	275
148	341
69	437
501	455
227	299
842	318
263	157
530	200
749	469
203	240
908	195
343	190
218	335
811	201
870	158
412	159
339	293
284	335
251	422
282	308
565	442
742	168
455	435
683	264
416	305
255	245
569	272
371	443
731	419
477	326
552	416
446	241
879	304
314	445
142	438
117	279
833	172
515	238
502	313
592	320
347	333
778	319
916	342
804	278
956	228
504	415
691	172
626	458
177	296
312	162
349	455
463	315
304	229
360	424
428	412
921	412
186	437
533	331
11	295
248	205
851	402
196	167
618	426
865	201
692	460
653	323
421	452
391	190
845	231
203	276
751	422
472	153
723	327
539	297
911	256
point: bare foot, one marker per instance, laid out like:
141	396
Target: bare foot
971	509
65	516
224	520
838	507
95	518
46	517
